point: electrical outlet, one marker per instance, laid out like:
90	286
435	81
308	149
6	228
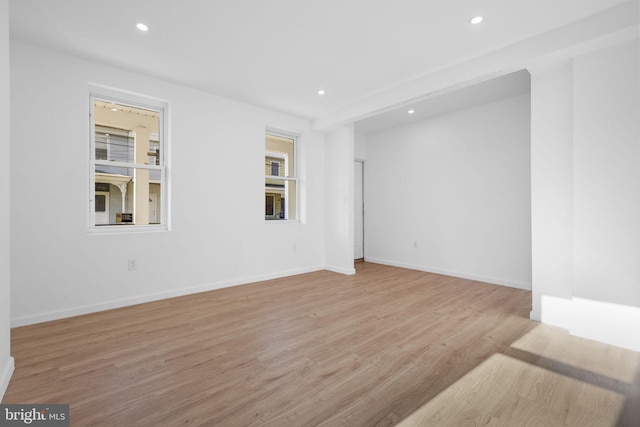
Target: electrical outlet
294	248
133	264
415	243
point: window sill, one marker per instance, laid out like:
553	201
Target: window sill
281	221
126	229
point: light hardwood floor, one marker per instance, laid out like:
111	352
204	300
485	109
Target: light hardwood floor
384	347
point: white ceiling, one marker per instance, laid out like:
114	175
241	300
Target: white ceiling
278	53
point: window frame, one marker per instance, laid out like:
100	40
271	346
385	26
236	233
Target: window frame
289	176
132	99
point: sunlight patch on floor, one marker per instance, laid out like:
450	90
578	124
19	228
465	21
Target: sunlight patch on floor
560	348
505	391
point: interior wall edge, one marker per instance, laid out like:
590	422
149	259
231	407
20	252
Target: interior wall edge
5	375
341	270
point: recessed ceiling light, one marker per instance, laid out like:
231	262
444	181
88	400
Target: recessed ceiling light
142	27
476	20
411	111
114	109
321	92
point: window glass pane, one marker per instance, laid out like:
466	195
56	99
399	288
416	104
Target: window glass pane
280	199
132	197
101	202
114	144
280	150
275	168
126	134
269	205
291	200
102	187
154	149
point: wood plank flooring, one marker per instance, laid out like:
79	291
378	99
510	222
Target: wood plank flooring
387	346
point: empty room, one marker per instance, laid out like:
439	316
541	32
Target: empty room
338	213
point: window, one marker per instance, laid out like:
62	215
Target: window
275	168
281	198
268	209
128	162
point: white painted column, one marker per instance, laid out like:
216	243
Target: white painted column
606	289
552	192
585	146
6	361
339	200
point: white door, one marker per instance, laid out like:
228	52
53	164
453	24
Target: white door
153	209
358	207
102	207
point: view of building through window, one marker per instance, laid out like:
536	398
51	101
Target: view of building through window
280	178
127	162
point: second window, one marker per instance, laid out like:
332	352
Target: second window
281	198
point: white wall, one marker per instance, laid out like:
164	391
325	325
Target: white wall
552	188
607	175
6	362
593	180
359	146
339	200
219	236
452	194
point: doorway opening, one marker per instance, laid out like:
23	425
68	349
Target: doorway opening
358	210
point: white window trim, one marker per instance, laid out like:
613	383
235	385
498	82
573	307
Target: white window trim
294	175
109	94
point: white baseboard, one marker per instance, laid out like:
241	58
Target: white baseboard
556	311
5	375
609	323
341	270
605	322
92	308
476	277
